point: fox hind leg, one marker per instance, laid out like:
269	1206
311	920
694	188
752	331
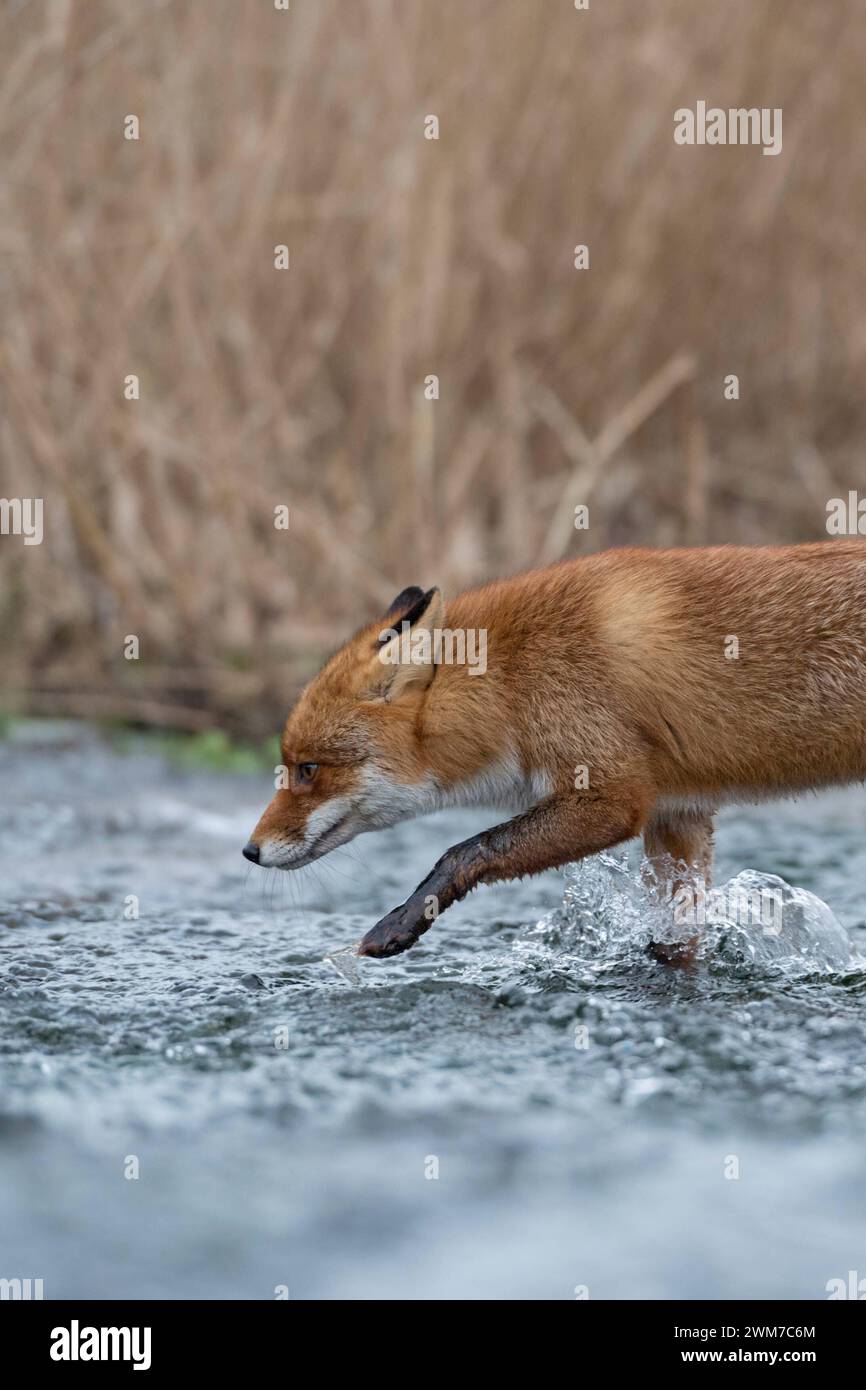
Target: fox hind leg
679	848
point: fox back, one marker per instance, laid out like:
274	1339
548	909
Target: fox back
701	675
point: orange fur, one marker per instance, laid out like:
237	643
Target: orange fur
615	663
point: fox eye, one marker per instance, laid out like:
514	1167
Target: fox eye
307	771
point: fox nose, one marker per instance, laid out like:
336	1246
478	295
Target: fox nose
251	852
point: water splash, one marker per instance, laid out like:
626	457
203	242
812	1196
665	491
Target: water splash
794	929
611	911
346	962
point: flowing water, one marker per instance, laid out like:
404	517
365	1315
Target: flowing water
194	1102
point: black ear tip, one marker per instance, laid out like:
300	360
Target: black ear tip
411	605
407	598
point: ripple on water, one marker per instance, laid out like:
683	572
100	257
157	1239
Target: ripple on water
562	1077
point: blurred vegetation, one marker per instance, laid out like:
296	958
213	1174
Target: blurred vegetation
213	750
409	257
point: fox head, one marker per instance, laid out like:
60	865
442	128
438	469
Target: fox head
352	758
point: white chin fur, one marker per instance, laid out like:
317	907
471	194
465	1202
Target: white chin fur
327	828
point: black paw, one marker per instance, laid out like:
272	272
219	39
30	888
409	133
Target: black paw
393	935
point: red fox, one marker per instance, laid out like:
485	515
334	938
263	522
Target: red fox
631	692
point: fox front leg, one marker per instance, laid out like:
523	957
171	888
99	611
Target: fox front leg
560	829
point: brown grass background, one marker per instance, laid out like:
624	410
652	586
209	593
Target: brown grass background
408	257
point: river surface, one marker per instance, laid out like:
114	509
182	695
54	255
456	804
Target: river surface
195	1103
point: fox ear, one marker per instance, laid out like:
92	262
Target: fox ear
404	654
406	599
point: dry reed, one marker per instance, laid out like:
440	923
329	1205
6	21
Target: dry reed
408	257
